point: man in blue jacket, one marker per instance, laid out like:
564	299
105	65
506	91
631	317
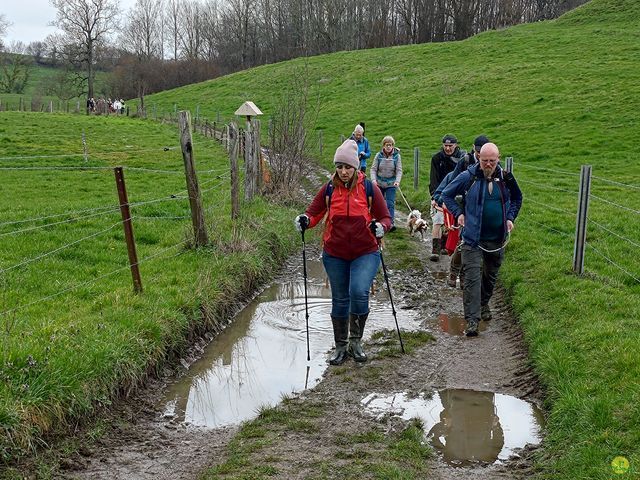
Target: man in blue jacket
363	146
491	202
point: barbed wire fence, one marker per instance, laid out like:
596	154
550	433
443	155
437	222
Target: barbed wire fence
601	227
213	179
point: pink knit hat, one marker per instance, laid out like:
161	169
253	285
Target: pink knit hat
347	153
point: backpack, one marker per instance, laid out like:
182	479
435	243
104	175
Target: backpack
368	187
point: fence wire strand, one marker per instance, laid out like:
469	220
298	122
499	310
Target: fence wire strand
88	282
614	204
611	232
552	187
534	167
619	267
63	247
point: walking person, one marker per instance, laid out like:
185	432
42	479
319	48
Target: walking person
363	146
491	202
354	209
442	163
471	158
386	172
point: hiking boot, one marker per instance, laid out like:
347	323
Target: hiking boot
485	312
451	281
435	250
472	328
443	244
340	335
356	329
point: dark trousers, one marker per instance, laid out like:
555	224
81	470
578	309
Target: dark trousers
480	270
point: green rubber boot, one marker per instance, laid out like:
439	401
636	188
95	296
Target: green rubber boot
340	335
356	328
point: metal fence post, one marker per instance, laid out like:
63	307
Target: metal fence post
581	219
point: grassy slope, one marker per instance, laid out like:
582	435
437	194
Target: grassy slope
60	356
35	90
554	95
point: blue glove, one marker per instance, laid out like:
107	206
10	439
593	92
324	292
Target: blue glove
301	222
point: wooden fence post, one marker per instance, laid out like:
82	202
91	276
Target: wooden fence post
233	160
416	166
197	213
128	229
250	167
581	219
50	106
84	148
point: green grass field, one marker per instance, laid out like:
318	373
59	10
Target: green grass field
74	335
554	95
34	97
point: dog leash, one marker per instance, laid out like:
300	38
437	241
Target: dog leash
405	199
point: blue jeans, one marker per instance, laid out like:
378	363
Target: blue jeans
350	283
389	194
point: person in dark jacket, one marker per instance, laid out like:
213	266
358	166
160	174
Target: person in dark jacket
353	226
492	200
386	172
442	163
471	158
363	146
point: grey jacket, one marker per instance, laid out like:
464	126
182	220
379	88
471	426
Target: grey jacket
387	170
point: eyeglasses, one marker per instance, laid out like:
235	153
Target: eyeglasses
489	160
344	166
388	144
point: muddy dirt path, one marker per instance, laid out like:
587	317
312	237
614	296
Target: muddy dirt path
140	442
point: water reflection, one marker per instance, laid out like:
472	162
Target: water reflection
263	354
466	426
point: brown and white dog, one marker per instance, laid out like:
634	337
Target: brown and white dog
415	223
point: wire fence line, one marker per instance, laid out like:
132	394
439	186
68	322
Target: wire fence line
529	219
94	280
89	154
613	182
611	232
71	212
619	267
622	207
75	219
63	247
536	167
551	187
551	207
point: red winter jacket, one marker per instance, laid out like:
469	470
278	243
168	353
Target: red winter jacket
347	234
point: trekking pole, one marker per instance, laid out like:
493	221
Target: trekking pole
386	279
405	199
306	303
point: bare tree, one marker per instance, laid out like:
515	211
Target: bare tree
86	24
142	34
4	26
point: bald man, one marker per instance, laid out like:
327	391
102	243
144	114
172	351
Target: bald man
491	202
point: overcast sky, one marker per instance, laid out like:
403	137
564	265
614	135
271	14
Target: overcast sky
30	18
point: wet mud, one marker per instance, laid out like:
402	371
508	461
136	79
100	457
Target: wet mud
477	397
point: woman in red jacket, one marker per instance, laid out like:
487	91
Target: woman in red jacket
350	247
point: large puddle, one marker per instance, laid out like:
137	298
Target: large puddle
262	355
466	426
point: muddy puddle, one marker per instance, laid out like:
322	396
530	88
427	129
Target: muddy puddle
466	427
262	355
454	324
